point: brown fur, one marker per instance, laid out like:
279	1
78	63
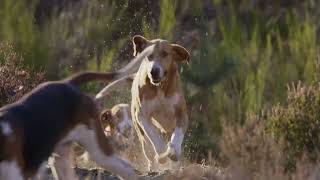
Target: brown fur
161	104
157	95
170	85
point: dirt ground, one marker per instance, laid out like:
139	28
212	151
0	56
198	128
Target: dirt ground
131	152
88	170
191	172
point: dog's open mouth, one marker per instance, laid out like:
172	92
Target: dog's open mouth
156	81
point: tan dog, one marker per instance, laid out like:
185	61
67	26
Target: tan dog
158	105
118	127
117	123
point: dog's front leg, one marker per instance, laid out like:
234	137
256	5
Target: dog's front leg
174	146
158	144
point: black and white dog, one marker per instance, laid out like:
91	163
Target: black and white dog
49	119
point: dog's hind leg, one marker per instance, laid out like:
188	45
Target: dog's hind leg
41	173
116	85
89	139
63	162
9	170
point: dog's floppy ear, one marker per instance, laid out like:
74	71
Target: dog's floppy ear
180	53
106	118
139	44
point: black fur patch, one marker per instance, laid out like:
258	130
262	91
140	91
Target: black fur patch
42	117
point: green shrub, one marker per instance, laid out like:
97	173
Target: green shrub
280	143
167	19
18	28
74	38
298	122
251	56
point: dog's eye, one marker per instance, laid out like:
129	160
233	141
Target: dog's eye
164	54
150	57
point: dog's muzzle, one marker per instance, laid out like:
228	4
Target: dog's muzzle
156	75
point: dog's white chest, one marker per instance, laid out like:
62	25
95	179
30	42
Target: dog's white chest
160	101
161	111
5	128
9	170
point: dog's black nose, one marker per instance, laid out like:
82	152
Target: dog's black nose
155	73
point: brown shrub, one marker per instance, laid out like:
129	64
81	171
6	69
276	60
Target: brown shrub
250	152
280	144
15	80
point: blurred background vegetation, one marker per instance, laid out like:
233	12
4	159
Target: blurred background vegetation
244	55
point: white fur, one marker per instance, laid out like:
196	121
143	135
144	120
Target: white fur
126	123
154	64
6	128
174	99
51	164
88	138
63	163
9	170
176	141
41	172
152	104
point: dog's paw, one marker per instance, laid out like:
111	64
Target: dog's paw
173	157
174	152
139	173
169	153
161	158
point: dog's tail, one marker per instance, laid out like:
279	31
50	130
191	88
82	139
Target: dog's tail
118	84
129	69
84	77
